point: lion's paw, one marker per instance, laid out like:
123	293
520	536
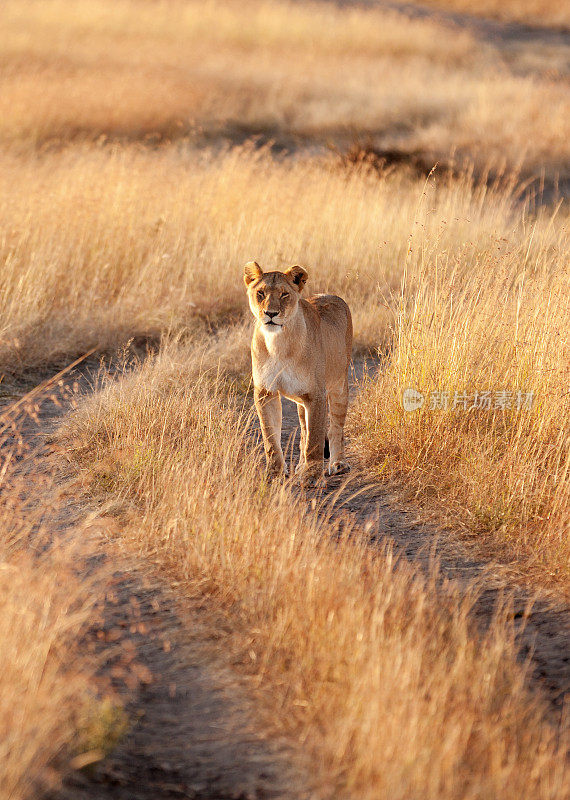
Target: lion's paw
277	471
309	478
338	468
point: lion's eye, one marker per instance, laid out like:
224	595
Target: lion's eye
260	296
284	295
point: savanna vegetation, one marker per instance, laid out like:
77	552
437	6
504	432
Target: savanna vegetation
373	673
147	151
49	697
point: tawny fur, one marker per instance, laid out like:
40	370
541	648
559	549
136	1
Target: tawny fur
301	349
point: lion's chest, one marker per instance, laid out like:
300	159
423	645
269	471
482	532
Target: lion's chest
277	375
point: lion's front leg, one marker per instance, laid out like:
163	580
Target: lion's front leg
268	407
315	416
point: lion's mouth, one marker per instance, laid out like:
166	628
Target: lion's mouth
273	324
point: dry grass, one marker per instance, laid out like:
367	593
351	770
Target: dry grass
544	13
45	681
105	236
500	323
139	71
107	244
371	671
57	713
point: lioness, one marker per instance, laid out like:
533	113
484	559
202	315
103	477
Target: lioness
300	349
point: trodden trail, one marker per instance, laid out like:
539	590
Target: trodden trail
542	620
193	729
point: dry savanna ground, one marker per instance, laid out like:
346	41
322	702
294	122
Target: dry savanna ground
131	195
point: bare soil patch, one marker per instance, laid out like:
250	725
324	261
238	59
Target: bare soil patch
191	724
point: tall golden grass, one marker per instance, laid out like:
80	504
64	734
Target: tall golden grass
298	73
368	669
501	324
108	244
114	226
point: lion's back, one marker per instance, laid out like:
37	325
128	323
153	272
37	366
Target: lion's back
336	328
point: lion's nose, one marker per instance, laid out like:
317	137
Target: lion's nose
271	314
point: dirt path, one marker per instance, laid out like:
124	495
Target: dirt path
543	634
193	732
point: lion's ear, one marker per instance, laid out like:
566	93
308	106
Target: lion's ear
251	272
298	275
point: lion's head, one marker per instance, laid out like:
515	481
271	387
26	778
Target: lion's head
273	296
